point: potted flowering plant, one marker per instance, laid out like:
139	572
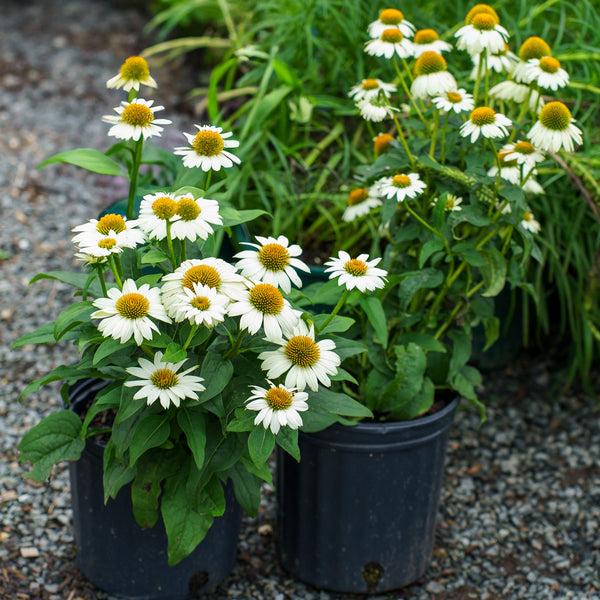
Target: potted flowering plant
446	208
175	344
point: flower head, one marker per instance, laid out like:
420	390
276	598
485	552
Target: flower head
135	120
381	144
200	305
160	380
428	40
390	18
374	108
391	41
403	185
516	92
212	272
277	406
109	226
454	101
529	223
532	47
483	32
432	77
155	211
358	273
275	261
500	62
194	218
208	149
98	245
524	153
371	87
129	312
452	204
360	202
264	305
547	73
133	73
306	361
486	122
555	129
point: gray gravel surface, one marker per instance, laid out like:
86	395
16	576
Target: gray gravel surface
520	510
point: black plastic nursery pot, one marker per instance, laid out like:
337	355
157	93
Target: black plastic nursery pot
120	557
358	513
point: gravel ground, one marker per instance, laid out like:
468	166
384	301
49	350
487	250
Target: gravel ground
520	510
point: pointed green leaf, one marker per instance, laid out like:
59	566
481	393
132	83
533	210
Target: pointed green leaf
261	443
192	422
493	271
55	438
87	158
150	432
376	315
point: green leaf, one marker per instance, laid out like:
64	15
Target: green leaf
493	271
69	372
55	438
185	527
338	324
127	405
232	216
429	248
87	158
216	373
71	316
287	439
247	488
107	348
78	280
425	340
261	443
151	431
106	399
461	351
174	353
41	335
416	280
116	472
337	403
154	257
192	422
376	315
420	404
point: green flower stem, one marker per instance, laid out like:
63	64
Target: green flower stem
477	83
403	140
133	176
335	310
235	348
487	76
407	92
193	330
147	351
428	226
115	271
102	281
207	180
183	250
132	95
170	246
443	142
435	131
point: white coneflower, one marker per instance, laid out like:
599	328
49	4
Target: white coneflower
529	223
390	18
524	153
99	245
483	33
212	272
275	261
155	211
401	186
305	361
208	149
388	43
426	40
129	312
375	109
160	380
456	101
194	218
199	304
130	235
277	406
486	122
513	172
555	129
547	73
500	62
431	76
368	88
358	272
532	47
133	73
135	120
511	91
452	204
263	306
360	202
